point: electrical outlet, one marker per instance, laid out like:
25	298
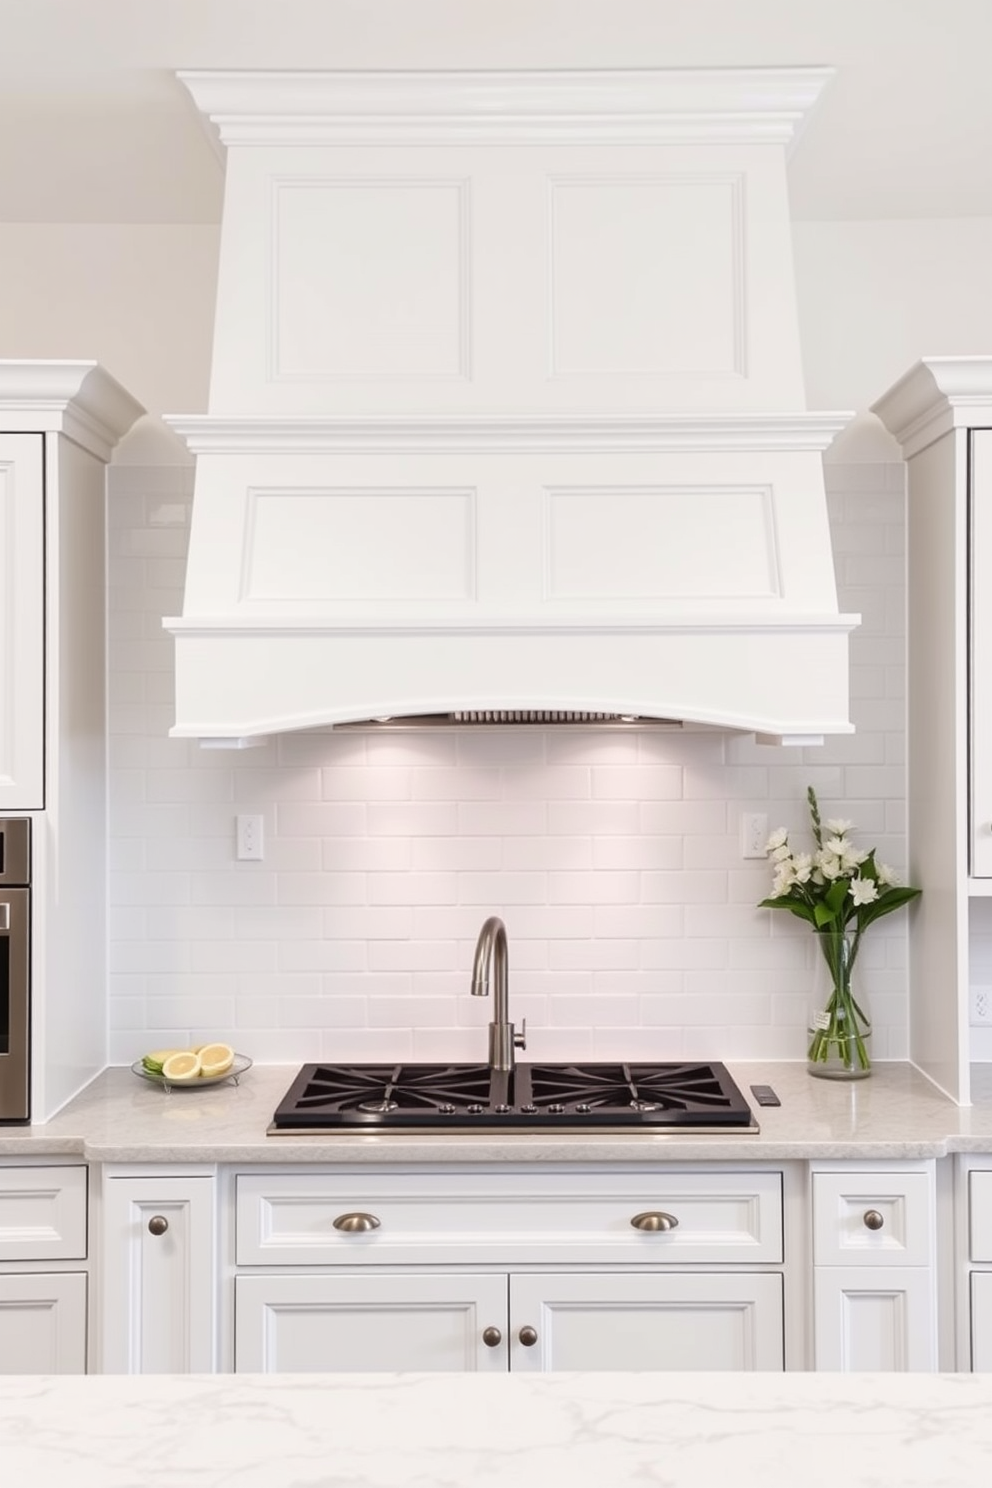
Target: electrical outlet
754	834
981	1005
251	838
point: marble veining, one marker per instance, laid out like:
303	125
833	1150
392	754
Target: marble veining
897	1113
525	1431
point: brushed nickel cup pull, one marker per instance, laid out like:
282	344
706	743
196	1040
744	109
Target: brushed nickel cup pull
353	1223
158	1224
654	1219
528	1336
873	1220
492	1337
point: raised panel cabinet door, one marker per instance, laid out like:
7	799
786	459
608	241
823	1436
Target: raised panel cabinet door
158	1276
43	1323
980	645
867	1318
981	1322
686	1320
22	622
364	1324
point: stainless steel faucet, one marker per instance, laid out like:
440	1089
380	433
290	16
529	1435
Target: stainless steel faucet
491	952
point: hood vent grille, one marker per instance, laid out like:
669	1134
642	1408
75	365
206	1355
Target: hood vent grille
515	718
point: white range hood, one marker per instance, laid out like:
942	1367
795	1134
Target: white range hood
506	409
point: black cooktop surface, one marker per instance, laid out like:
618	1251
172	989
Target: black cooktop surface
588	1097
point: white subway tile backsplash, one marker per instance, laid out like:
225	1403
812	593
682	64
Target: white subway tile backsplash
614	858
637	782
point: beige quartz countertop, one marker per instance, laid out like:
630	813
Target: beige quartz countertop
895	1113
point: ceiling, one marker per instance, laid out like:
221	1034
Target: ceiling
94	126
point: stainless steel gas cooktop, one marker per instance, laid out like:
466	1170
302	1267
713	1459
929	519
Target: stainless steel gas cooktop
532	1097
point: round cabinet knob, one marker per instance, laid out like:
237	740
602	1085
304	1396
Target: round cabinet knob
873	1220
158	1224
354	1223
528	1336
654	1219
492	1337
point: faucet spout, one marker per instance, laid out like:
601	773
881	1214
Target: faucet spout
492	958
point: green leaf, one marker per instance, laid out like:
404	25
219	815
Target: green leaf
794	906
885	904
823	915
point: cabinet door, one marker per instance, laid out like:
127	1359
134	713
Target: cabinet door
158	1276
22	622
870	1318
646	1321
361	1324
43	1323
981	652
981	1321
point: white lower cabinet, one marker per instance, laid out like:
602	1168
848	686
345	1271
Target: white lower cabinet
981	1322
298	1324
975	1264
681	1320
43	1300
43	1322
494	1270
493	1323
158	1275
874	1282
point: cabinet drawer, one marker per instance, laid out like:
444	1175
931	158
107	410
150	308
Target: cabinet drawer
289	1219
980	1216
43	1214
846	1211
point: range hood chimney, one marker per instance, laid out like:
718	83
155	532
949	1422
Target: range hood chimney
506	410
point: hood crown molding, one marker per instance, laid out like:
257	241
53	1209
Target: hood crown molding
210	434
700	106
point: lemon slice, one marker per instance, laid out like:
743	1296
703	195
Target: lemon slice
182	1066
154	1061
215	1059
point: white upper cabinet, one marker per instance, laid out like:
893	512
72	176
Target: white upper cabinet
941	414
22	627
980	613
59	422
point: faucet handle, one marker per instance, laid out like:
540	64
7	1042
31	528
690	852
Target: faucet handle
520	1039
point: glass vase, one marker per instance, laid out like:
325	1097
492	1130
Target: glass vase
839	1028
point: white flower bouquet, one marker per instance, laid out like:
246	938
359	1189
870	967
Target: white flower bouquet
840	891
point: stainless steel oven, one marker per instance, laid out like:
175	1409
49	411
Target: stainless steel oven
15	968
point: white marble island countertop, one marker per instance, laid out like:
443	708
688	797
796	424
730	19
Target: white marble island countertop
523	1431
895	1113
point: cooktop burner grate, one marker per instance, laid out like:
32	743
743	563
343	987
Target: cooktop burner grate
614	1096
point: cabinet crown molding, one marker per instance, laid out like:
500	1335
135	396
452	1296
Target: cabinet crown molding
77	398
936	395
